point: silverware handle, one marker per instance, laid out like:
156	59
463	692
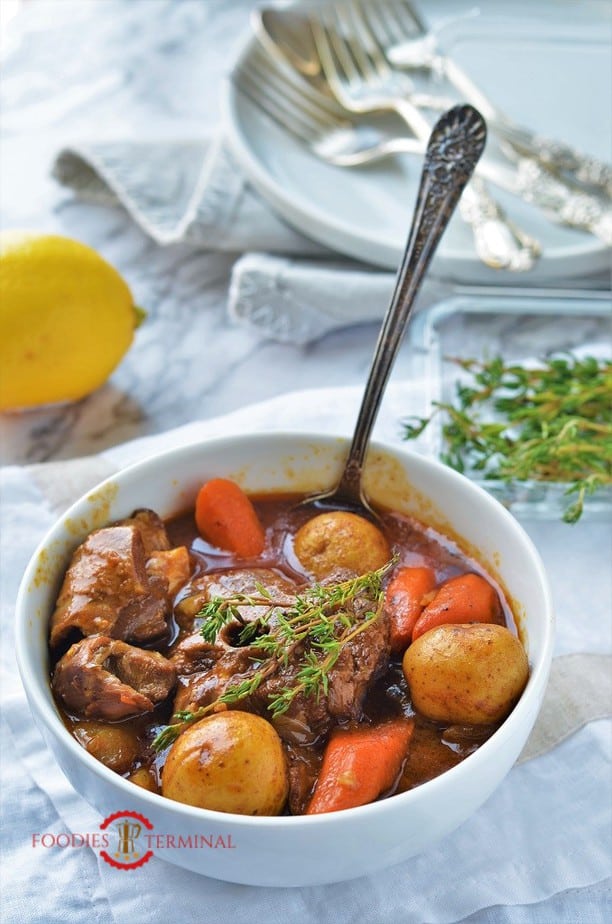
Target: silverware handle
552	154
561	203
568	163
498	242
454	148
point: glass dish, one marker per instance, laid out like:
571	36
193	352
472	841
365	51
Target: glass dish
522	328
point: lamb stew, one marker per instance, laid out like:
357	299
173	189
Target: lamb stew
252	657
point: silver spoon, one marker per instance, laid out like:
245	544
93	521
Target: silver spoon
456	143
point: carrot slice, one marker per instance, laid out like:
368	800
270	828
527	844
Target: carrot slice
359	765
465	598
226	517
404	602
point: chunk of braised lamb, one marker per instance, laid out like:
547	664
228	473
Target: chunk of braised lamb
305	720
304	766
192	654
227	583
307	717
104	678
107	590
361	662
203	688
172	567
151	528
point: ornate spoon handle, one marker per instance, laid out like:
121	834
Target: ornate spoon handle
561	203
454	148
556	156
499	242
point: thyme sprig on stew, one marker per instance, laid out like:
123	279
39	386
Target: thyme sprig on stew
315	628
552	423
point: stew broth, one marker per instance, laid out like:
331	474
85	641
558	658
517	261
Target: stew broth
435	747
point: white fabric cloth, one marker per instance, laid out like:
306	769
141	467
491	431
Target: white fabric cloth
545	832
284	286
184	190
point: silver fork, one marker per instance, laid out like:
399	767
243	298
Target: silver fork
313	118
361	79
328	131
408	44
361	84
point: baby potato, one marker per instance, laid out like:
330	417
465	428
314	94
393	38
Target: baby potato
229	762
116	746
471	674
144	778
340	540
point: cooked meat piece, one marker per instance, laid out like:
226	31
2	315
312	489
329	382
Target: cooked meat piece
107	590
151	528
304	721
212	667
361	661
149	672
104	678
244	581
227	583
308	717
192	654
203	688
304	764
172	566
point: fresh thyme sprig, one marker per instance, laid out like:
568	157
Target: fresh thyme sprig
221	610
315	628
552	423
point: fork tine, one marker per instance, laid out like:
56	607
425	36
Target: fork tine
367	37
274	110
378	22
351	30
334	51
383	24
301	90
343	60
268	86
402	21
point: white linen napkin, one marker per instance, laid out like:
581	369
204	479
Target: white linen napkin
286	287
297	300
184	190
544	831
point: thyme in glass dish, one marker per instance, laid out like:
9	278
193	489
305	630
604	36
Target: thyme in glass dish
315	629
550	423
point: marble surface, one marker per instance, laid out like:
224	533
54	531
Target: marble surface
187	361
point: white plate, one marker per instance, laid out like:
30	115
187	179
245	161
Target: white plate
546	64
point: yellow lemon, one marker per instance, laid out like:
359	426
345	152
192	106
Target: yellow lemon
66	319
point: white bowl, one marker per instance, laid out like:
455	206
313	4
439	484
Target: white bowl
297	851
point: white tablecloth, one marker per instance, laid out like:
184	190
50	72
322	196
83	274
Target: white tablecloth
541	838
